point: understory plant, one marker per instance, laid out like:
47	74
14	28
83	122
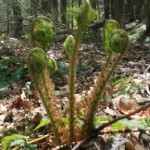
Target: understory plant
80	113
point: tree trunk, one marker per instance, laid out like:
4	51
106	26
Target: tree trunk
18	18
147	16
79	2
130	10
8	4
45	6
138	9
118	12
63	11
93	3
106	9
112	8
54	10
34	6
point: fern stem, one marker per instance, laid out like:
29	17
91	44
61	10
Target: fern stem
50	115
72	79
82	27
44	100
99	89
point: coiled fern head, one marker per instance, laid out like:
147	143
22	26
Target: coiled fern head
119	41
36	60
51	66
69	44
43	32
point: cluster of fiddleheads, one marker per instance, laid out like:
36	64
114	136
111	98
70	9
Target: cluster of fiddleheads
41	67
42	34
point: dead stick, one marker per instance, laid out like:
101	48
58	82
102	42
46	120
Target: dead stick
122	131
96	131
122	117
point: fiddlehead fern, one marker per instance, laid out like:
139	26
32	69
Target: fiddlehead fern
118	43
69	44
109	27
42	33
37	60
38	69
51	66
84	17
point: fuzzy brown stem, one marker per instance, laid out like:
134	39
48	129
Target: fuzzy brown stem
98	90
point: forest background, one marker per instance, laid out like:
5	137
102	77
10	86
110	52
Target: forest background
20	109
17	15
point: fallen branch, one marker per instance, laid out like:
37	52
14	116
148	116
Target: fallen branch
39	139
33	141
147	80
123	131
97	25
122	117
96	131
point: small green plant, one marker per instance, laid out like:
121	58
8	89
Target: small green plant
79	120
11	71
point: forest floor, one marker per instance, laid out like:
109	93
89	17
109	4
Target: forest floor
21	110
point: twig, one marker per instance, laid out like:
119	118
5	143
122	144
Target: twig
147	87
146	69
122	117
16	148
123	131
96	131
95	144
61	147
39	139
33	141
144	102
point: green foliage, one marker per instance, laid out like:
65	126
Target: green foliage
124	80
19	142
131	124
91	36
80	123
99	120
80	13
109	28
127	86
23	144
42	124
61	72
11	71
147	122
118	126
8	139
86	16
65	120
